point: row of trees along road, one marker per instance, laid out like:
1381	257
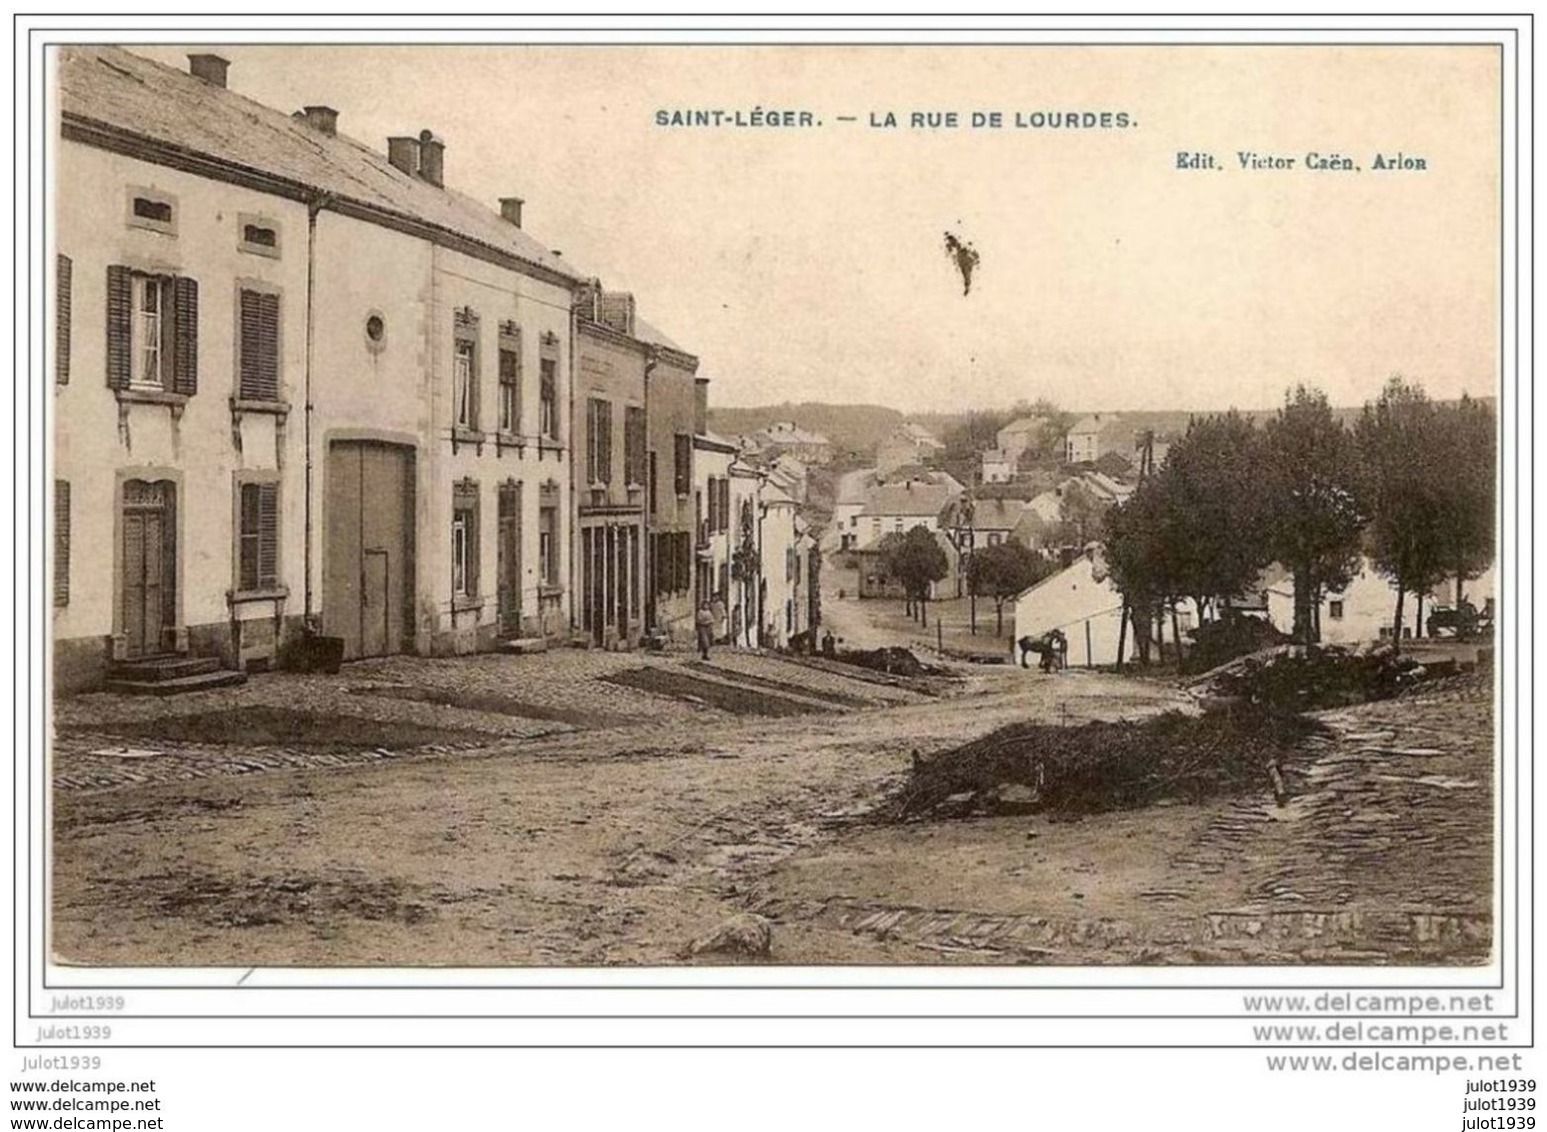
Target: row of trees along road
1411	484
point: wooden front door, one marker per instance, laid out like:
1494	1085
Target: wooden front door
508	567
370	564
149	557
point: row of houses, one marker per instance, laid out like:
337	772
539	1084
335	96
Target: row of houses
303	388
1108	440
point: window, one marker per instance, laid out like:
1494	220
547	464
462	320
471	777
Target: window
510	379
634	470
62	272
654	500
548	544
673	562
61	543
152	331
462	383
549	392
464	540
995	538
683	477
598	441
258	346
153	210
1335	610
257	235
158	211
464	370
147	345
258	537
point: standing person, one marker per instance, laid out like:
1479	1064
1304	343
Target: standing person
705	624
717	611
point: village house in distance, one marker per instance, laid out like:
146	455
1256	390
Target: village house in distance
315	399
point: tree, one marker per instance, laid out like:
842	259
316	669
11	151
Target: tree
1315	514
1467	454
1082	515
1405	485
746	564
1002	571
1216	525
1139	555
916	560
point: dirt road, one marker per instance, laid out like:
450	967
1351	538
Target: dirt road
619	844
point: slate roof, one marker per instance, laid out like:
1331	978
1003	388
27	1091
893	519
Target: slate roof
645	332
1097	423
997	514
915	498
132	94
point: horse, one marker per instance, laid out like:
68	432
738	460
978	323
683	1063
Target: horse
1049	647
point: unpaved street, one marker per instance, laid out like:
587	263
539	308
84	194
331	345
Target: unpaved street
499	839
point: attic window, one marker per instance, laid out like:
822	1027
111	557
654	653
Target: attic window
157	210
258	235
153	210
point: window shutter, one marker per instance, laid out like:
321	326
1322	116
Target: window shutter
62	270
268	534
185	328
61	542
119	312
260	346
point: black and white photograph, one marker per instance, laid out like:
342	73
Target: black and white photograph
541	506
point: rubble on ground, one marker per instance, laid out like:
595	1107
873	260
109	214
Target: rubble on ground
1100	766
894	661
1290	679
1219	642
745	934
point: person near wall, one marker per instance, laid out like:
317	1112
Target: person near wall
704	621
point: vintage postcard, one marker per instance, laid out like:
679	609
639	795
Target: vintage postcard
878	505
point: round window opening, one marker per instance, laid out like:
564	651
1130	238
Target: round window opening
375	329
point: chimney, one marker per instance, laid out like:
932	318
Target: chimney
700	405
510	209
616	309
403	154
209	68
323	119
432	158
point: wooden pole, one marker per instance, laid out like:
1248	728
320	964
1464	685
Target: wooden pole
1089	660
1122	634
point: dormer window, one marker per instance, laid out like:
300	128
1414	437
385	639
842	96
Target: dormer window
257	235
156	211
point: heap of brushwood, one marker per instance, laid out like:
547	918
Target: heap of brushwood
1067	772
1291	679
893	660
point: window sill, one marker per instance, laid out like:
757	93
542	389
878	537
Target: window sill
141	395
549	444
467	604
270	593
509	440
550	589
241	405
462	435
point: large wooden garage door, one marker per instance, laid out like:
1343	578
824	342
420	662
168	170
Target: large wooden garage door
370	584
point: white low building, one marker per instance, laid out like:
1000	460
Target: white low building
1365	609
1087	608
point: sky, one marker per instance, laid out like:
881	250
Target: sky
809	264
